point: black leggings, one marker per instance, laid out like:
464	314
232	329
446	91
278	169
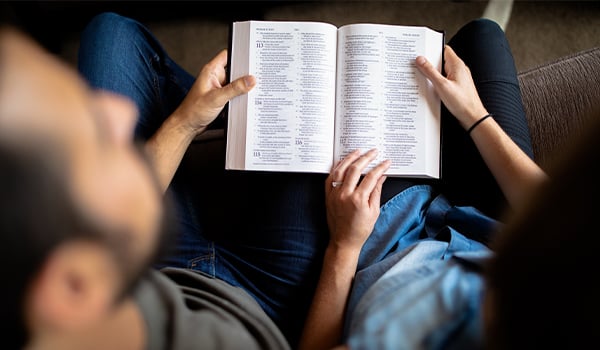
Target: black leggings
466	180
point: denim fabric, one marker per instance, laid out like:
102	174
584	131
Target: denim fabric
419	282
418	285
263	232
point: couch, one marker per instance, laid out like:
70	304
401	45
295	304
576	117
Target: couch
560	98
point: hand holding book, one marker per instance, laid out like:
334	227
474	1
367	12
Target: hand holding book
457	90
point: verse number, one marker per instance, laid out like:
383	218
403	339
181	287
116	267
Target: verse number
256	153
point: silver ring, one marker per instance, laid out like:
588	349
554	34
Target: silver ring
336	183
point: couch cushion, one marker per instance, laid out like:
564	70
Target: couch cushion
559	99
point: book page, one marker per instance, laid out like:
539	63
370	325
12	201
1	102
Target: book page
289	115
383	102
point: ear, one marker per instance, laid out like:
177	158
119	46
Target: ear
75	288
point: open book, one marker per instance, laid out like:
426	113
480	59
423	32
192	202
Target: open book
324	91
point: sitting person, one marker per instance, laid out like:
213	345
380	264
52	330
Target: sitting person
540	294
435	275
83	218
84	277
410	276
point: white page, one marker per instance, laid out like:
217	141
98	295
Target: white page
382	100
290	111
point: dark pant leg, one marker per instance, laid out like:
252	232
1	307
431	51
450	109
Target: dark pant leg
276	234
482	45
120	55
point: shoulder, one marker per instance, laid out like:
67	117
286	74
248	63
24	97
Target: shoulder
198	310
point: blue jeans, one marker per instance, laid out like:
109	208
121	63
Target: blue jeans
263	232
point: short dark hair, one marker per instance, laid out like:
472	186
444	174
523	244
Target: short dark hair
543	282
36	215
7	15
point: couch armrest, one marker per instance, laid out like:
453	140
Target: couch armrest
559	99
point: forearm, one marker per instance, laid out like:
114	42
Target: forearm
514	171
167	147
323	327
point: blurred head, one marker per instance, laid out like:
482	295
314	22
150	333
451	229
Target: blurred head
81	213
542	284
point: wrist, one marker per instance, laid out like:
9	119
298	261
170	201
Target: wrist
472	117
343	254
178	125
479	121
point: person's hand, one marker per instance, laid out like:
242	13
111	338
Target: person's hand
353	204
208	95
457	89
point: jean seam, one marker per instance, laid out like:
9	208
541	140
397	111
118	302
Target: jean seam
193	263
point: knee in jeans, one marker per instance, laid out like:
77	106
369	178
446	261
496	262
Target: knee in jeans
109	24
484	25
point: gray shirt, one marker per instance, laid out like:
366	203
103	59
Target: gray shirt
184	309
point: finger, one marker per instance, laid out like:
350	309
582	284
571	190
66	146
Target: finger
349	158
212	74
369	182
215	66
451	57
455	67
218	65
375	197
429	71
355	170
220	60
235	88
339	170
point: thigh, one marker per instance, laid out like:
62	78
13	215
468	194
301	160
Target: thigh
269	232
119	54
275	223
483	46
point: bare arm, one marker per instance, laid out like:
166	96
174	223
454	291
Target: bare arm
201	106
352	210
323	328
514	171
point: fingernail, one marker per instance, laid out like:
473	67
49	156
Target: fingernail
249	81
421	60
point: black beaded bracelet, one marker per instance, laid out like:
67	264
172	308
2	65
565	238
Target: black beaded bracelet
479	121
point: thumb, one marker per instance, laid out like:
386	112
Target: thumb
237	87
429	70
